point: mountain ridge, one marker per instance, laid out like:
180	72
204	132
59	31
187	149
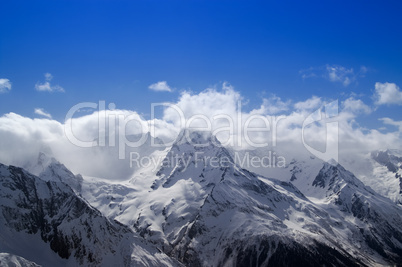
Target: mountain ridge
50	214
201	208
184	206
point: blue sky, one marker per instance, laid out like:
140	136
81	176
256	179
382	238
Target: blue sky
114	50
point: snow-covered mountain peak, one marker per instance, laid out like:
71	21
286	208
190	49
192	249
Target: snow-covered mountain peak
44	159
332	162
333	178
196	139
39	164
191	156
199	206
204	211
56	171
48	168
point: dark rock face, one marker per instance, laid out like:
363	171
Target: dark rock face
326	177
46	208
70	226
279	251
247	220
224	216
381	231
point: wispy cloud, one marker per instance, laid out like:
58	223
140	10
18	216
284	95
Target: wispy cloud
48	76
392	122
47	87
308	73
5	85
387	94
334	73
41	112
340	74
161	86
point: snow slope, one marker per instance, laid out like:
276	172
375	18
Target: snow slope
203	209
7	260
47	223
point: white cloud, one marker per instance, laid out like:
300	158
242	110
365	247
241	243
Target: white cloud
312	103
5	85
387	94
392	122
160	87
356	106
22	138
41	112
47	87
209	103
274	105
335	73
341	74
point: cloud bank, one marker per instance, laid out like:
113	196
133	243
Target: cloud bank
279	125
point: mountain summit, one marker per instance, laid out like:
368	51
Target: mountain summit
202	209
